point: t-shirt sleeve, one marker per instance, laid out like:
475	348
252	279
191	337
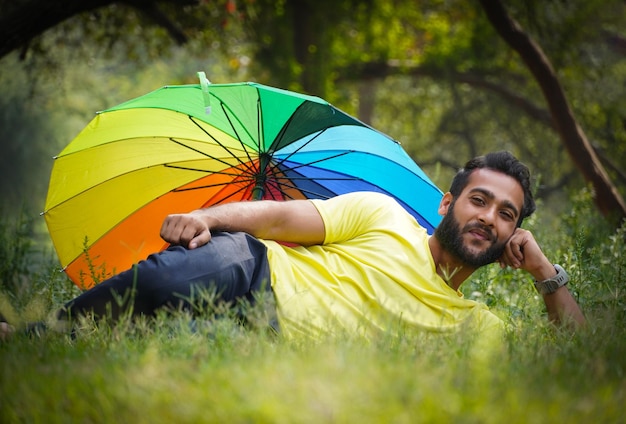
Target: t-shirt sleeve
351	215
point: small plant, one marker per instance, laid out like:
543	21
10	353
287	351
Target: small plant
15	249
31	283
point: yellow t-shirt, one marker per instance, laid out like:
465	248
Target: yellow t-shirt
373	273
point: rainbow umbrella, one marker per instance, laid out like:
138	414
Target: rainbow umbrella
181	148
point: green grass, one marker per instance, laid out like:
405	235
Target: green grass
217	371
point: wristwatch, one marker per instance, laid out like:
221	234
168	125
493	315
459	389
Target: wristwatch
551	285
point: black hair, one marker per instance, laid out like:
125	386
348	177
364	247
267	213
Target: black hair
504	162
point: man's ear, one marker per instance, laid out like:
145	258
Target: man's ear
445	203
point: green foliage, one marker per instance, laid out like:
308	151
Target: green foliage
25	134
432	74
15	246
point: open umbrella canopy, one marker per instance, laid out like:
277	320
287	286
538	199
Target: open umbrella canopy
181	148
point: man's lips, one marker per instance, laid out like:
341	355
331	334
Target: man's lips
480	233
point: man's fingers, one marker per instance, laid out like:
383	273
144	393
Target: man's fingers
200	240
518	251
514	251
185	230
6	331
167	229
507	258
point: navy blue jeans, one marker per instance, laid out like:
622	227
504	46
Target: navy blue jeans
233	265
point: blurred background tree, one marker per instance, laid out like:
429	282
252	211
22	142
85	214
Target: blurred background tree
436	75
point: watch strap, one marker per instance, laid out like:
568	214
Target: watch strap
551	285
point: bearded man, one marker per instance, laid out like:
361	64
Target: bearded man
355	262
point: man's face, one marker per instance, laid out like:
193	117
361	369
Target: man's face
478	223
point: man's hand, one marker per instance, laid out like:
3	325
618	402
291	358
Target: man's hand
523	252
188	230
6	331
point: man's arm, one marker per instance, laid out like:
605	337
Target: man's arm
522	251
295	221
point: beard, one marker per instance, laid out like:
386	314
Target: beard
449	233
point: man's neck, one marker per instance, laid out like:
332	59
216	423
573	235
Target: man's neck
453	271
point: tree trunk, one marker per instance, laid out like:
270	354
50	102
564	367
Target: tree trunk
33	18
310	44
367	100
607	198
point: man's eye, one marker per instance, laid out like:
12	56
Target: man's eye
478	200
507	215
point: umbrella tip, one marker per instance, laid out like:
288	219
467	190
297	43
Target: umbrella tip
204	85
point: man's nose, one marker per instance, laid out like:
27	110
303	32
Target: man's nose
487	216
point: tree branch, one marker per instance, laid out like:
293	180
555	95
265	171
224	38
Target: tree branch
150	9
607	198
381	70
34	17
616	42
532	110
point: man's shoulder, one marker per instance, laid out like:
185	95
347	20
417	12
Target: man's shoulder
367	197
363	203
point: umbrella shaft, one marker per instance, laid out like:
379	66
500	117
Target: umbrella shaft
258	191
261	177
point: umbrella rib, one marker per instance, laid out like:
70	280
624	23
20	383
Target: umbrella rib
210	156
227	109
300	189
232	194
318	179
281	180
291	168
303	145
207	186
219	143
186	168
176	190
234	129
216	185
259	117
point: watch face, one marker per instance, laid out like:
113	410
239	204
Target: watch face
551	286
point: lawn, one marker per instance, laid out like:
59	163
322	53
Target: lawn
175	369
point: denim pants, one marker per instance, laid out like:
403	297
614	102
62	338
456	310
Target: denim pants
233	265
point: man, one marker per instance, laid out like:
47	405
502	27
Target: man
356	262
